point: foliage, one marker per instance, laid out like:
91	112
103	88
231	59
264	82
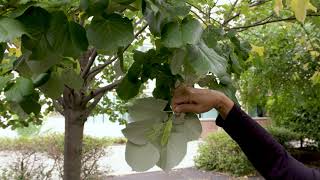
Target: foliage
284	136
30	131
150	134
45	141
220	153
305	119
27	165
283	79
43	156
60	50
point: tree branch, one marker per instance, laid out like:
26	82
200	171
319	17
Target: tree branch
201	11
258	3
260	23
92	57
57	107
94	103
102	90
199	17
227	20
136	36
99	68
230	19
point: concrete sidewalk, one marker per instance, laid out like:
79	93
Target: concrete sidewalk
178	174
115	160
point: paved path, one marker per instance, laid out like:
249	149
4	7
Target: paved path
115	160
178	174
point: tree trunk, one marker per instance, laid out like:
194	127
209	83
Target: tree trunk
74	123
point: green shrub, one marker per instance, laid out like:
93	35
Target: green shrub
31	153
284	135
220	153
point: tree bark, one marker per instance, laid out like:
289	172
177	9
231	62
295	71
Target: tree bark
74	124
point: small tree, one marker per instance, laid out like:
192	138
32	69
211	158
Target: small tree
74	53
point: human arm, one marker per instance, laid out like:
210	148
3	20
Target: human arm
266	154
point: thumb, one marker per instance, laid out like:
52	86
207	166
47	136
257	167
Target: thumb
182	108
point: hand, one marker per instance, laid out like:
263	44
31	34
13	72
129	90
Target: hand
188	99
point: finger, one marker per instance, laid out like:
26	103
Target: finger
181	95
183	108
181	100
181	91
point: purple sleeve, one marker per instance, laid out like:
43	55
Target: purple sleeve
266	154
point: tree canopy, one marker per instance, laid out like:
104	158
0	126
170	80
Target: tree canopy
70	54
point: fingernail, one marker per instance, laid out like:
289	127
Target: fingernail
177	109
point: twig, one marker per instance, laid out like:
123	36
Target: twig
308	36
238	13
99	68
258	3
106	88
58	107
259	23
204	13
199	17
228	19
101	90
91	59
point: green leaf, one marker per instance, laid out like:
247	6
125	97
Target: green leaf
141	158
189	124
21	9
119	64
242	49
126	2
177	61
72	79
30	104
300	7
191	30
134	72
228	89
110	33
172	35
155	20
212	35
137	132
54	87
235	64
10	29
17	109
66	38
172	154
127	89
39	80
166	132
204	60
278	6
39	66
2	49
4	81
163	88
23	87
192	127
158	13
94	7
36	21
78	36
147	109
175	35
